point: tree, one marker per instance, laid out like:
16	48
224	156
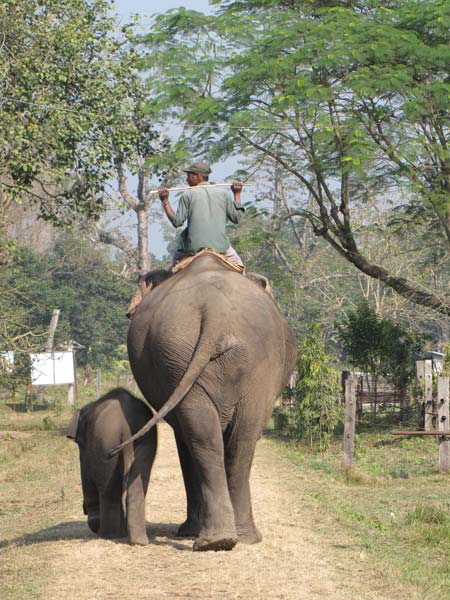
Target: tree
87	287
350	99
154	155
381	347
312	282
18	335
64	88
317	408
149	155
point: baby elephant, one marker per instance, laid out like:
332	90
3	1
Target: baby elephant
114	488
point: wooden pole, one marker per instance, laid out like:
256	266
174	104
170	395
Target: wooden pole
49	347
98	382
75	386
443	424
420	373
72	393
428	395
350	420
197	187
51	330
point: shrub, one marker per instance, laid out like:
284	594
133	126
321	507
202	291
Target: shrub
282	420
318	408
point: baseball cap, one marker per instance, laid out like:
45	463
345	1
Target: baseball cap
198	167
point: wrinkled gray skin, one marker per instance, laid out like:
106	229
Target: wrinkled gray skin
214	342
114	488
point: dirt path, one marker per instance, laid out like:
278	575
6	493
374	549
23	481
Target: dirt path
302	556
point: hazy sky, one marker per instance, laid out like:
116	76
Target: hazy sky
150	7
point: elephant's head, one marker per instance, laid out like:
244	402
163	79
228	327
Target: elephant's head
76	430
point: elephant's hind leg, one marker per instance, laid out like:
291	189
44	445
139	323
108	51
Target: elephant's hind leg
190	527
239	454
203	436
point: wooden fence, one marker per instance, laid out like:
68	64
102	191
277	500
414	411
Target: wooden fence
439	425
376	396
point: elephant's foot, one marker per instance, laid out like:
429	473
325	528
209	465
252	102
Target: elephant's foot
94	523
190	528
140	540
249	537
203	544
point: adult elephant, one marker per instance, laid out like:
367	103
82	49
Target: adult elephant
209	348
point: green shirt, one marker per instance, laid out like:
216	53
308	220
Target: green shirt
207	211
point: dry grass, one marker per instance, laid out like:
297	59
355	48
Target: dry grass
47	551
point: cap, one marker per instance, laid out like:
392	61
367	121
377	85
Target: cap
198	167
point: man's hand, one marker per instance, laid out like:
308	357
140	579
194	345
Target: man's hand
236	186
163	193
164	197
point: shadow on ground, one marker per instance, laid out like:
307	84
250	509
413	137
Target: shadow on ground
159	534
22	407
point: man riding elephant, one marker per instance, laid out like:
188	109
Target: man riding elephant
207	210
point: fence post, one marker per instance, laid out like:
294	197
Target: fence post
71	394
98	382
420	373
443	424
428	396
350	419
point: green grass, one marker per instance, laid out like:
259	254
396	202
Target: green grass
393	502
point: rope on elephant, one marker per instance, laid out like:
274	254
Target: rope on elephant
184	262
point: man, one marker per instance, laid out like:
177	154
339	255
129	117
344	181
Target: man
207	210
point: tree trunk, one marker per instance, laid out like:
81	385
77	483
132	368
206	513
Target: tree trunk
144	264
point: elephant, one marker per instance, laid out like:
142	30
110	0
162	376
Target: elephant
211	352
114	489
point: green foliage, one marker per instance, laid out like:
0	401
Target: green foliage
428	514
15	372
317	410
282	420
86	285
120	366
17	333
446	360
64	95
380	346
349	99
48	424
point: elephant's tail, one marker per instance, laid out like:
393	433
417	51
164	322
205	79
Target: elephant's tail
199	361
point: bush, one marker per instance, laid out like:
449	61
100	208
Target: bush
318	409
282	420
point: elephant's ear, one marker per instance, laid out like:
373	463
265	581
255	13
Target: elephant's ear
146	283
153	278
71	432
78	424
262	281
